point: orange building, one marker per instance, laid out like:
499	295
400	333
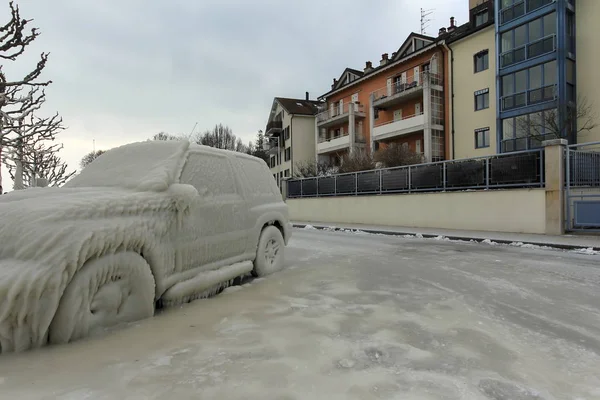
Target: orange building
404	99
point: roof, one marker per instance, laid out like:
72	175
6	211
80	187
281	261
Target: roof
299	106
403	54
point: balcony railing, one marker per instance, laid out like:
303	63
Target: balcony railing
542	46
274	126
401	86
330	138
337	111
528	97
405	125
514	170
519	8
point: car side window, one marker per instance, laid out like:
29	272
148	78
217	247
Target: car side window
254	176
209	173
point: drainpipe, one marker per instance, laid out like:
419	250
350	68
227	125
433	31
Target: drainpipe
451	73
291	147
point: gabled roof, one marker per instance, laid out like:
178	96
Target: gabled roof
298	106
348	76
409	45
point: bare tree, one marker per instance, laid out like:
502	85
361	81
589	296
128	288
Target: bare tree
222	137
308	169
547	125
89	157
39	161
20	99
357	161
165	136
396	155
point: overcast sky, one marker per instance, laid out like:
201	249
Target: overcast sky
125	70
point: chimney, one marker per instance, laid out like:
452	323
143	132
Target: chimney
452	26
334	83
307	96
384	59
442	31
368	66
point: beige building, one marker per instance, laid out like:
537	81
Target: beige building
473	69
588	59
290	133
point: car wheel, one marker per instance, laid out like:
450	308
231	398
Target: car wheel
106	291
270	252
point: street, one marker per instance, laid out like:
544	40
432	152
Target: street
353	316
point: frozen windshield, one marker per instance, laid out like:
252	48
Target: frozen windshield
147	165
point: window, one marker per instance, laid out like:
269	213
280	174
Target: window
375	113
287	173
286	133
288	154
481	17
482	138
481	61
209	172
529	40
529	131
529	86
482	99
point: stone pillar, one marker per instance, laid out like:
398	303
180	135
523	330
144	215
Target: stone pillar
554	173
427	141
284	188
351	127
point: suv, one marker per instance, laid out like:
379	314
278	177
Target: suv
145	225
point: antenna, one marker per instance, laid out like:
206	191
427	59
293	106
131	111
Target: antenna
425	20
193	129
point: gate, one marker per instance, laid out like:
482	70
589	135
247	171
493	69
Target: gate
582	187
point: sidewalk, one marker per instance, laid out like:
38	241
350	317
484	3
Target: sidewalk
566	242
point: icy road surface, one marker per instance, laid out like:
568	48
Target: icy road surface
353	317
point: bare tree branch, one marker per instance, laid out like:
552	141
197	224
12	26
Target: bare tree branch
89	157
39	161
12	38
547	125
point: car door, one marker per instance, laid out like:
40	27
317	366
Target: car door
211	233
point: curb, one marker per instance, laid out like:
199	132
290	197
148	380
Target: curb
451	237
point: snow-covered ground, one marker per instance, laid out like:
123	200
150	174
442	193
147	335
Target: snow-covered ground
353	317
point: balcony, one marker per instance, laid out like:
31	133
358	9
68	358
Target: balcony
404	126
327	145
338	115
274	128
403	90
537	48
528	98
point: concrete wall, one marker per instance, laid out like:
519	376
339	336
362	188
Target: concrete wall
518	210
303	140
588	58
466	83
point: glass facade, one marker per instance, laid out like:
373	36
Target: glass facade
536	82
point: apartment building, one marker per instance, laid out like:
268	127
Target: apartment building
402	100
472	83
290	135
536	71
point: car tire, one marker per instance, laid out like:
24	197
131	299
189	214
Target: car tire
270	253
106	291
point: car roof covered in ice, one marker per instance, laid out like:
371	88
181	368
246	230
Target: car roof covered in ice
150	165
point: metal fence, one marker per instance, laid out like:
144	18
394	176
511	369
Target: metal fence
514	170
582	187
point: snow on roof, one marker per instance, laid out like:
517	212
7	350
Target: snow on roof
149	165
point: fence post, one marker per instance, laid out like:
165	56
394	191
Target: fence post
487	173
317	194
444	176
301	188
380	181
554	166
335	185
409	178
356	184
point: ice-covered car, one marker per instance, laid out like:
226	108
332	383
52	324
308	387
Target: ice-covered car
145	225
